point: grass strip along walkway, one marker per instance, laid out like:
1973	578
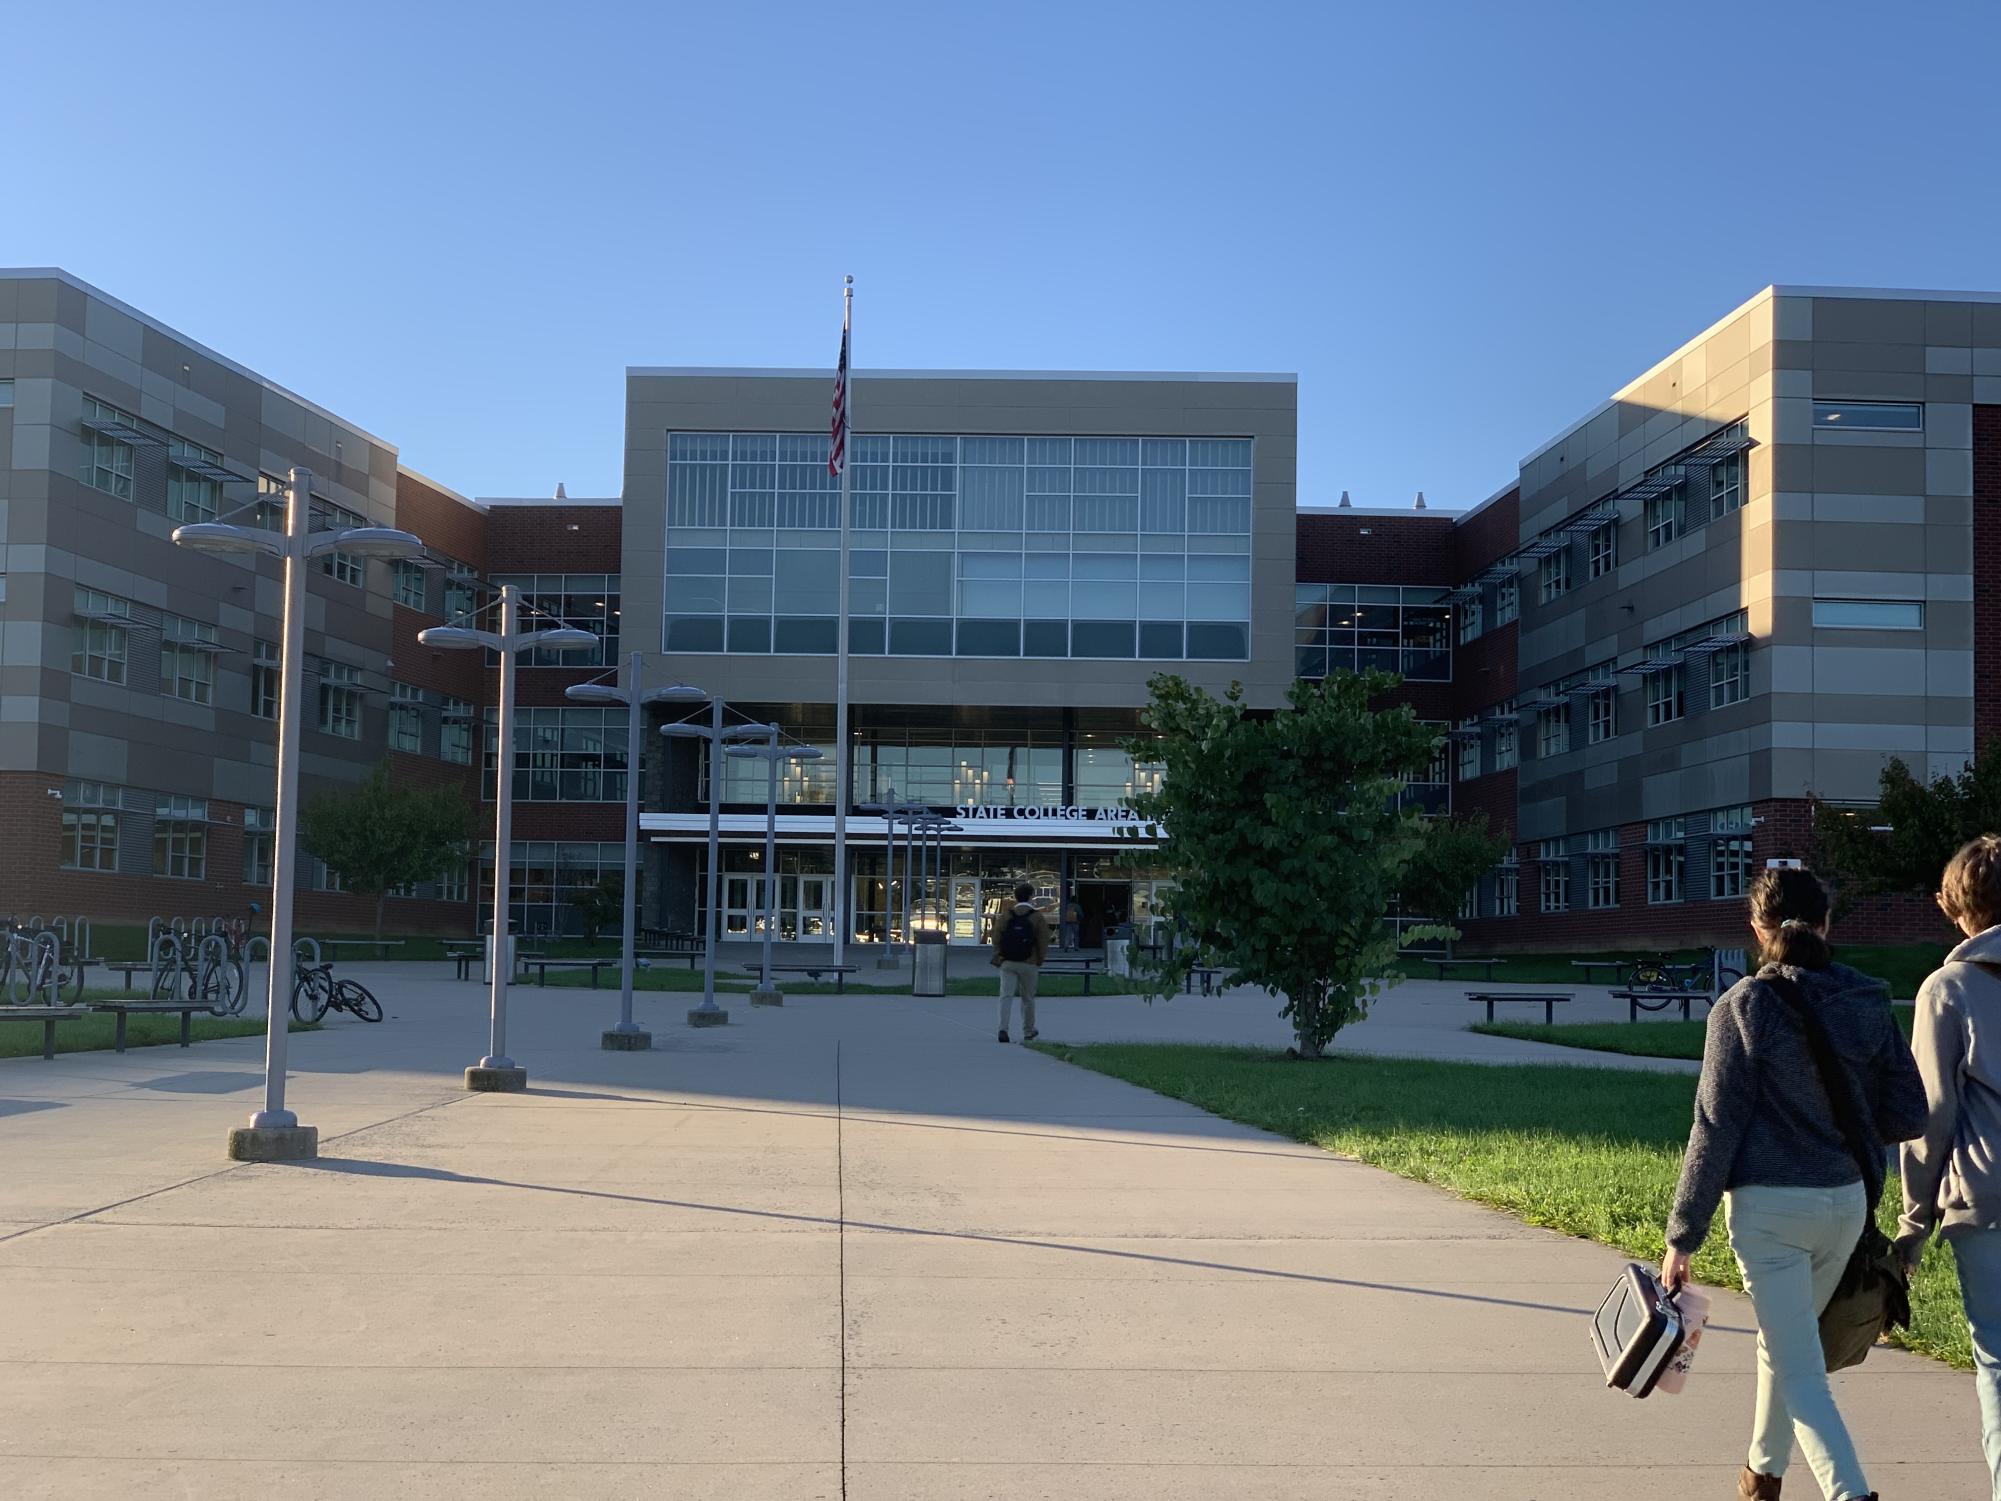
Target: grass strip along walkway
1591	1152
1663	1039
90	1033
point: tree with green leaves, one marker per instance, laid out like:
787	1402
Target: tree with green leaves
379	835
1903	843
602	904
1457	851
1283	834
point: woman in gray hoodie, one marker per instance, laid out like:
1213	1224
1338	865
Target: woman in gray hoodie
1767	1142
1952	1173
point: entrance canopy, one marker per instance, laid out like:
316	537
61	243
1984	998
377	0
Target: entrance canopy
1064	828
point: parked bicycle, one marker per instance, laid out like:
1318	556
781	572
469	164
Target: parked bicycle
36	965
315	992
209	968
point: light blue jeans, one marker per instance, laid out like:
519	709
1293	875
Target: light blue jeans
1978	1253
1792	1244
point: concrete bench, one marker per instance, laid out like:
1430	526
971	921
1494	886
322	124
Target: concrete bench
187	1010
1490	998
840	972
49	1016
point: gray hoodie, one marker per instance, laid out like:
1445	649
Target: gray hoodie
1952	1173
1761	1115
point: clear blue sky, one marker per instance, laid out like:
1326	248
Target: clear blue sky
1461	224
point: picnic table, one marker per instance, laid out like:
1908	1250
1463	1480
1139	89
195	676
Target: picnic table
541	964
1084	967
840	972
48	1016
669	940
1548	1000
1484	965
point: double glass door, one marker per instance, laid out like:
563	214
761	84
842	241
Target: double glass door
805	907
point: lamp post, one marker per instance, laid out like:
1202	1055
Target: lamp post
895	812
497	1071
274	1133
767	994
709	1014
628	1036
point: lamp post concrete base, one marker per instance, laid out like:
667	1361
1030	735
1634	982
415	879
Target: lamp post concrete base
771	997
496	1080
274	1143
712	1016
616	1040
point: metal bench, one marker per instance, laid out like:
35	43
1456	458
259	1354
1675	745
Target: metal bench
693	956
1486	966
129	969
1208	974
121	1009
382	945
542	966
1549	1001
1659	998
840	972
1084	967
49	1016
1590	965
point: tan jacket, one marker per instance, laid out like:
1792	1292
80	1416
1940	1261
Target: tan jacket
1035	917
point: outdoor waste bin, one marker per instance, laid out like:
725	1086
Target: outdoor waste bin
927	967
1118	948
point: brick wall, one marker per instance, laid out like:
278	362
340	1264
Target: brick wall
553	539
1487	535
444	521
1338	547
1986	574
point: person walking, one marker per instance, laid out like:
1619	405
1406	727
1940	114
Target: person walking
1020	937
1952	1171
1768	1144
1072	916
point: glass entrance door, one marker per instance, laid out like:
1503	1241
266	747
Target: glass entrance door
968	914
743	906
807	913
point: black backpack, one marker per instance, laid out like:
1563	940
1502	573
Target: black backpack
1017	939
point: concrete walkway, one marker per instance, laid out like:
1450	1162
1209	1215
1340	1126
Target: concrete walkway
848	1248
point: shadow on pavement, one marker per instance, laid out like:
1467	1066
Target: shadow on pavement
202	1083
28	1107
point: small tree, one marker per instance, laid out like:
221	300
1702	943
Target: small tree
1903	843
1455	854
601	905
377	836
1284	836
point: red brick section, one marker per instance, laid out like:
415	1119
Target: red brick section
1344	548
1487	535
1986	574
553	539
445	522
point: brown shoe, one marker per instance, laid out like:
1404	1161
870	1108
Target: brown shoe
1755	1487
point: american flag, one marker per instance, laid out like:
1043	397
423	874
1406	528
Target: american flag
837	455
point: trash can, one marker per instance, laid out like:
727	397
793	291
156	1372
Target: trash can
927	963
486	972
1118	946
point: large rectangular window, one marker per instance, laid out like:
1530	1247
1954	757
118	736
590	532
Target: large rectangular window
187	659
90	840
264	670
1507	732
1507	600
260	833
347	568
1664	516
1729	666
408	587
1602	706
463	593
1870	416
1601	868
1604	549
180	838
1554	871
1553	577
455	724
1004	546
1869	614
107	461
406	717
1667	690
1469	621
191	494
570	755
340	700
1667	859
1730	852
1357	627
1554	731
587	601
545	879
1469	748
102	636
1507	893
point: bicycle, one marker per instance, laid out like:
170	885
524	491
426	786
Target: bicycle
210	969
315	992
35	963
1658	972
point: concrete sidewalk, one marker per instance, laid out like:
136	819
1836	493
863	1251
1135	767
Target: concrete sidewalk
852	1247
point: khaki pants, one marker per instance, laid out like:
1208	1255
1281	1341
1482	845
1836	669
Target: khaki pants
1018	976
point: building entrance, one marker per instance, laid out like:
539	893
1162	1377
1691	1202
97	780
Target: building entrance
1101	904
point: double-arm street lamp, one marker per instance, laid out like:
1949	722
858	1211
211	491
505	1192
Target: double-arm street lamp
771	753
497	1071
709	1014
628	1036
274	1133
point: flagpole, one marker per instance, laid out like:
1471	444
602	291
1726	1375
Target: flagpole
843	776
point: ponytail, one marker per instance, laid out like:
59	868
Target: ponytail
1792	905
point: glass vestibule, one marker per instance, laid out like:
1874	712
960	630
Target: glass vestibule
805	906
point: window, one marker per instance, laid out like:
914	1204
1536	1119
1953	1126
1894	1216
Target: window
340	700
1554	575
1666	859
1469	749
274	500
264	679
588	601
1604	549
90	840
326	878
1555	875
187	659
564	755
1726	485
1507	893
544	877
455	732
1507	600
454	885
180	837
1469	621
1730	854
1553	731
344	567
1729	666
6	393
1357	627
191	496
1666	689
1869	614
98	650
1602	707
1870	416
462	591
107	462
1506	735
1601	868
409	584
1665	515
406	717
259	844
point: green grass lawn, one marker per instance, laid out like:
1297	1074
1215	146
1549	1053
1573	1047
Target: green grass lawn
1591	1152
734	978
93	1033
1666	1039
1902	966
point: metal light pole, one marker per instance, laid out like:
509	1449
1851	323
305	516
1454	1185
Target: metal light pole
767	994
895	813
628	1036
274	1133
709	1014
497	1071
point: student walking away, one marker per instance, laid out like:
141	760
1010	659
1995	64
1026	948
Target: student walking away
1073	917
1772	1144
1020	937
1952	1173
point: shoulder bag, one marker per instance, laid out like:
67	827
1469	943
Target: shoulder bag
1873	1296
